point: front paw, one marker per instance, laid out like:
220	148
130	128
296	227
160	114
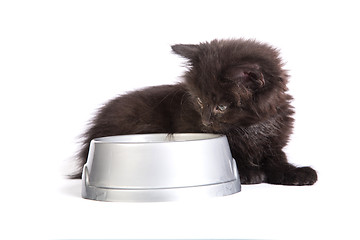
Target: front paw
294	176
251	176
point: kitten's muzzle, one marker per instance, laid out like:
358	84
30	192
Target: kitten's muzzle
206	117
206	123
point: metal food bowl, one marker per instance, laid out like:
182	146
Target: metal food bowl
159	167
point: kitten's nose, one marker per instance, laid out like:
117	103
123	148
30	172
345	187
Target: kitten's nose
206	118
206	123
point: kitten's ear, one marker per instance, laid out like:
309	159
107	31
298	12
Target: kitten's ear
248	75
188	51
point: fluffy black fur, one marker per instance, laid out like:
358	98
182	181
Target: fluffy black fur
233	87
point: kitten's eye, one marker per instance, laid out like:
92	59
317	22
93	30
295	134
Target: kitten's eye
221	107
199	102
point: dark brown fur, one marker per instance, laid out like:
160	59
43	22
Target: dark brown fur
233	87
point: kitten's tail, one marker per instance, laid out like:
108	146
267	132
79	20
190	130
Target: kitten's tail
81	159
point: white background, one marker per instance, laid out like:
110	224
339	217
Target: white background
60	60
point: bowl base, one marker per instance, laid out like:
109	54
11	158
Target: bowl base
159	194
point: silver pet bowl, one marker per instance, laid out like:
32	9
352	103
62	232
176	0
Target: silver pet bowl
159	167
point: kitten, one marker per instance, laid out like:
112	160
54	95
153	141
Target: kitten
232	87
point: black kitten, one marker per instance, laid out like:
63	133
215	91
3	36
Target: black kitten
233	87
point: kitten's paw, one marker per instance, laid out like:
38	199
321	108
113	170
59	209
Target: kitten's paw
251	176
296	176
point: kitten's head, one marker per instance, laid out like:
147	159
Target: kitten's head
234	82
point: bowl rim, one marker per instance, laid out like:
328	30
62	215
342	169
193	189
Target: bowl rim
144	138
